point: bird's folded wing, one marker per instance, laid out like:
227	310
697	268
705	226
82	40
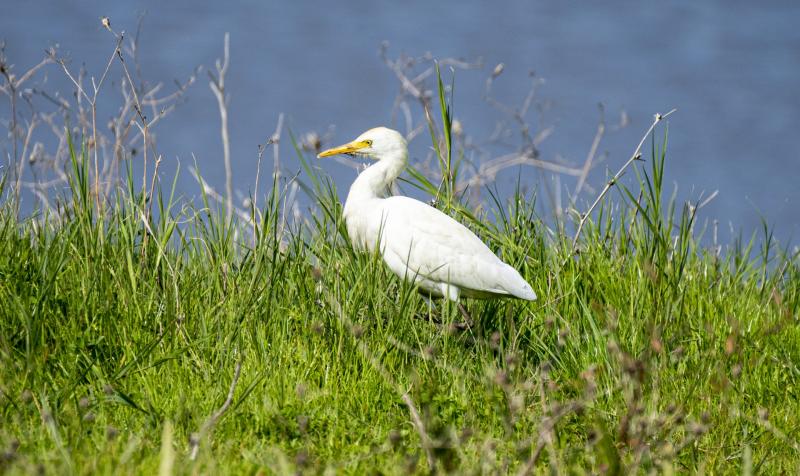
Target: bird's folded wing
434	245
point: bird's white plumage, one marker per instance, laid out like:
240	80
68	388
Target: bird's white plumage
417	241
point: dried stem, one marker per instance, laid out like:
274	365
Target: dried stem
217	85
213	194
144	128
274	140
153	181
546	434
425	439
11	88
489	169
610	183
421	430
587	165
214	418
92	100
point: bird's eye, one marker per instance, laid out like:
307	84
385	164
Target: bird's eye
368	142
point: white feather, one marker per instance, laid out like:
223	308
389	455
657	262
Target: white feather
417	241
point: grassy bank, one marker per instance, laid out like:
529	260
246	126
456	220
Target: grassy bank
125	325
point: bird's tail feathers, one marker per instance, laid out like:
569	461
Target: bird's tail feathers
517	286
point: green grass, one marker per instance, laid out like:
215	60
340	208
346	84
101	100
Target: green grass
121	329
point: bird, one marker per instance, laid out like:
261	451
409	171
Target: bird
418	242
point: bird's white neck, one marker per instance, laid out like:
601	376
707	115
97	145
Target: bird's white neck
374	182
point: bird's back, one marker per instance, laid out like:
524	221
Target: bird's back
420	242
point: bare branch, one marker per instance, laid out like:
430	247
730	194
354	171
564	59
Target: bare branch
217	85
426	444
365	351
27	75
211	192
546	435
274	140
489	170
214	418
636	154
587	164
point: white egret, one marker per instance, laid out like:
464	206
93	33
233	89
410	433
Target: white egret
419	242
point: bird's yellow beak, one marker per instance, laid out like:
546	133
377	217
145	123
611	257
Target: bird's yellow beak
349	148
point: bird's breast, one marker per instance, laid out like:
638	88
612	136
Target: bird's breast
359	226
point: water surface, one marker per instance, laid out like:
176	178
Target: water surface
732	69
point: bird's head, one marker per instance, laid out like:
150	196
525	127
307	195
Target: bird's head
378	143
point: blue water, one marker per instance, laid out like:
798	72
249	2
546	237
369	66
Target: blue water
732	69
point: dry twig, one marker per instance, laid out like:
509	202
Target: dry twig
274	140
92	100
611	182
195	439
425	439
12	88
587	164
217	85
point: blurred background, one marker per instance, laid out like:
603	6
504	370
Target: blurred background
732	70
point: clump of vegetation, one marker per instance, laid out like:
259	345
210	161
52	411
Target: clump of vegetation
140	332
